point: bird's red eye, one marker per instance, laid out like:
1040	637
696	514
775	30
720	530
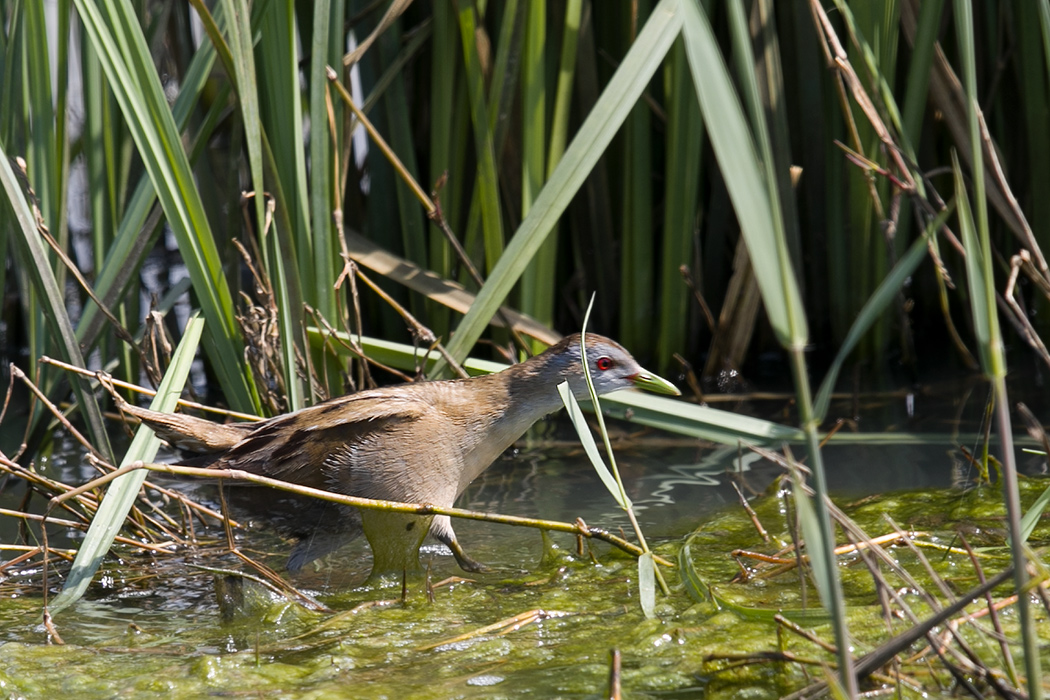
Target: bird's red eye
604	363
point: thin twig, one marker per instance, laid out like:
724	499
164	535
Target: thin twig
351	346
1004	646
418	329
804	633
97	375
432	210
750	512
59	416
510	624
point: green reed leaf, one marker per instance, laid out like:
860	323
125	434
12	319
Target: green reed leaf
122	491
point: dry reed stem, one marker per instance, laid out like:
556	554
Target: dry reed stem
274	581
804	633
433	211
398	507
108	378
503	627
1018	262
417	329
953	651
163	530
353	347
615	690
16	372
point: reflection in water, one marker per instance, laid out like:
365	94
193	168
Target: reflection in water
710	472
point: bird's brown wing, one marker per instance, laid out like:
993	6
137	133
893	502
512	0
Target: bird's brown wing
367	444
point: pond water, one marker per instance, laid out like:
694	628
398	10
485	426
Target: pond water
151	625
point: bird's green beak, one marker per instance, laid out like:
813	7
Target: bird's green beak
655	383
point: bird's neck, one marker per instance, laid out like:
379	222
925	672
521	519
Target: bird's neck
532	387
513	399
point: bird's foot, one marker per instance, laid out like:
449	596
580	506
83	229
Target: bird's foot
465	561
474	566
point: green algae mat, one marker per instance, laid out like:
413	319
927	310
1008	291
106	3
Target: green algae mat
543	624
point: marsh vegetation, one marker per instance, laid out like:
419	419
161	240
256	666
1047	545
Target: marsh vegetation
261	205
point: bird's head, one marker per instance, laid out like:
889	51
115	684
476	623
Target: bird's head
611	367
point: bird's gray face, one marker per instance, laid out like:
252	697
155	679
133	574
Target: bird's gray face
612	368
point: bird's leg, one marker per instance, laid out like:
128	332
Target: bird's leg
441	529
395	540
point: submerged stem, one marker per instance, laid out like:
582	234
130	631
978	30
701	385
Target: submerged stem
835	603
1030	641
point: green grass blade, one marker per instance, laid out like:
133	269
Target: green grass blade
752	181
974	269
636	266
775	101
916	95
30	249
237	58
500	102
685	133
807	617
1031	64
873	309
699	591
983	303
126	59
97	150
537	282
505	71
42	156
534	105
124	490
1034	514
280	106
396	97
579	422
598	129
11	87
487	183
559	131
675	416
979	256
442	101
328	18
60	226
273	263
242	54
601	418
125	253
102	194
812	535
647	585
701	422
1044	26
742	170
636	260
